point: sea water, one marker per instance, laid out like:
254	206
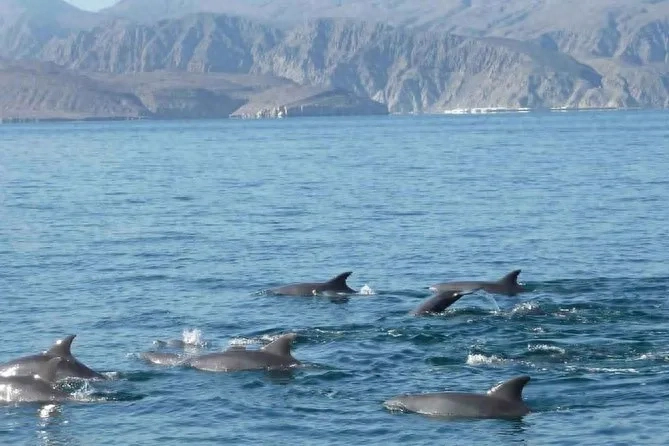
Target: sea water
127	232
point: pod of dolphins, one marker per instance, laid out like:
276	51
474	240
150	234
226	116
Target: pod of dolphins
34	378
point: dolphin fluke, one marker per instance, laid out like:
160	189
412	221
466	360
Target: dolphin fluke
62	347
281	346
511	390
49	370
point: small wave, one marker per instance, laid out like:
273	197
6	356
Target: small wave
478	359
613	370
653	357
545	348
366	290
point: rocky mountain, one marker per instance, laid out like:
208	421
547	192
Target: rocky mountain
408	70
440	55
634	29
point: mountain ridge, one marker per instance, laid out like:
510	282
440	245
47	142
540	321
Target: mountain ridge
411	68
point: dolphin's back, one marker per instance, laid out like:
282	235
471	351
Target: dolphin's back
459	405
238	359
298	289
459	286
69	367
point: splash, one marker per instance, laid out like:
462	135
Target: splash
366	290
478	359
49	411
494	302
529	308
193	337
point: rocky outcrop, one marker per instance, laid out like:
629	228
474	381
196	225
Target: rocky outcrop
294	101
46	91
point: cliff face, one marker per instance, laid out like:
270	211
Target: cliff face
509	54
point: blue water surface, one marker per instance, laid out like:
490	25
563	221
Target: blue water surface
127	232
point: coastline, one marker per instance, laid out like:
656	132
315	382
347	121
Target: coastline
475	111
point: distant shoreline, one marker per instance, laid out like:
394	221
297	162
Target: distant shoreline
475	111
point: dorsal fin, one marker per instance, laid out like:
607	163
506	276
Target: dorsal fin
281	346
62	347
48	370
511	390
340	279
511	278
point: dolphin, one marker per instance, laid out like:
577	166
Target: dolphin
502	401
333	287
439	302
37	388
506	285
69	367
274	356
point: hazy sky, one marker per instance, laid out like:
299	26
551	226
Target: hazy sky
92	5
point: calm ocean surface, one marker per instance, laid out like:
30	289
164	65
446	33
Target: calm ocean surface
128	232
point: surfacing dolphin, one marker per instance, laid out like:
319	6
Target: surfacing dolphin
37	388
334	287
506	285
502	401
274	356
439	302
69	367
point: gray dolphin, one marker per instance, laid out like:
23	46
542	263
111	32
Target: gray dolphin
37	388
274	356
502	401
69	367
335	286
506	285
439	302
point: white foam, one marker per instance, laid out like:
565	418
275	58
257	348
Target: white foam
111	375
614	370
526	308
242	341
478	359
366	290
253	341
610	370
546	348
